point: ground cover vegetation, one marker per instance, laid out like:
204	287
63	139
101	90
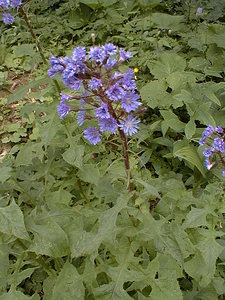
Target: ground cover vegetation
75	223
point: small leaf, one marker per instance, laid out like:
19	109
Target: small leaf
190	129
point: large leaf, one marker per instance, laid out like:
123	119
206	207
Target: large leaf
12	222
188	153
49	238
4	263
89	173
74	155
68	284
167	64
195	218
154	94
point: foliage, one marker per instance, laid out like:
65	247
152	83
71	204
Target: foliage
69	228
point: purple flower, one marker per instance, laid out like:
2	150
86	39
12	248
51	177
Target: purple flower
117	75
124	55
70	76
218	144
110	49
92	135
110	63
199	11
79	54
81	117
16	3
208	152
97	54
8	19
81	113
127	82
102	111
202	141
94	84
223	173
129	125
115	93
219	129
57	66
109	124
63	109
129	101
4	3
65	97
208	164
207	133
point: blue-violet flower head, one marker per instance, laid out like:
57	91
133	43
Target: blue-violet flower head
4	3
92	135
129	125
102	111
15	3
63	109
79	54
94	84
109	124
219	145
115	93
129	101
124	55
97	54
8	18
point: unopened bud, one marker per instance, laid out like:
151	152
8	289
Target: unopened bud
93	38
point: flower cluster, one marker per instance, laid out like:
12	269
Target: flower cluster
215	139
105	94
6	4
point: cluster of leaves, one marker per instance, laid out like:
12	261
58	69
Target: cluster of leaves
68	226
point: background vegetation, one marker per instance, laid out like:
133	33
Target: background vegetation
69	228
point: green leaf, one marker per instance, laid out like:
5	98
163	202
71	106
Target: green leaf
167	64
166	21
190	129
154	94
89	173
68	284
14	295
49	238
166	288
12	222
4	263
210	251
190	154
74	155
171	121
195	218
21	92
5	173
16	278
179	80
24	49
28	152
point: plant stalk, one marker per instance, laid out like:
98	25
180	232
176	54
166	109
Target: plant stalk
125	148
26	19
